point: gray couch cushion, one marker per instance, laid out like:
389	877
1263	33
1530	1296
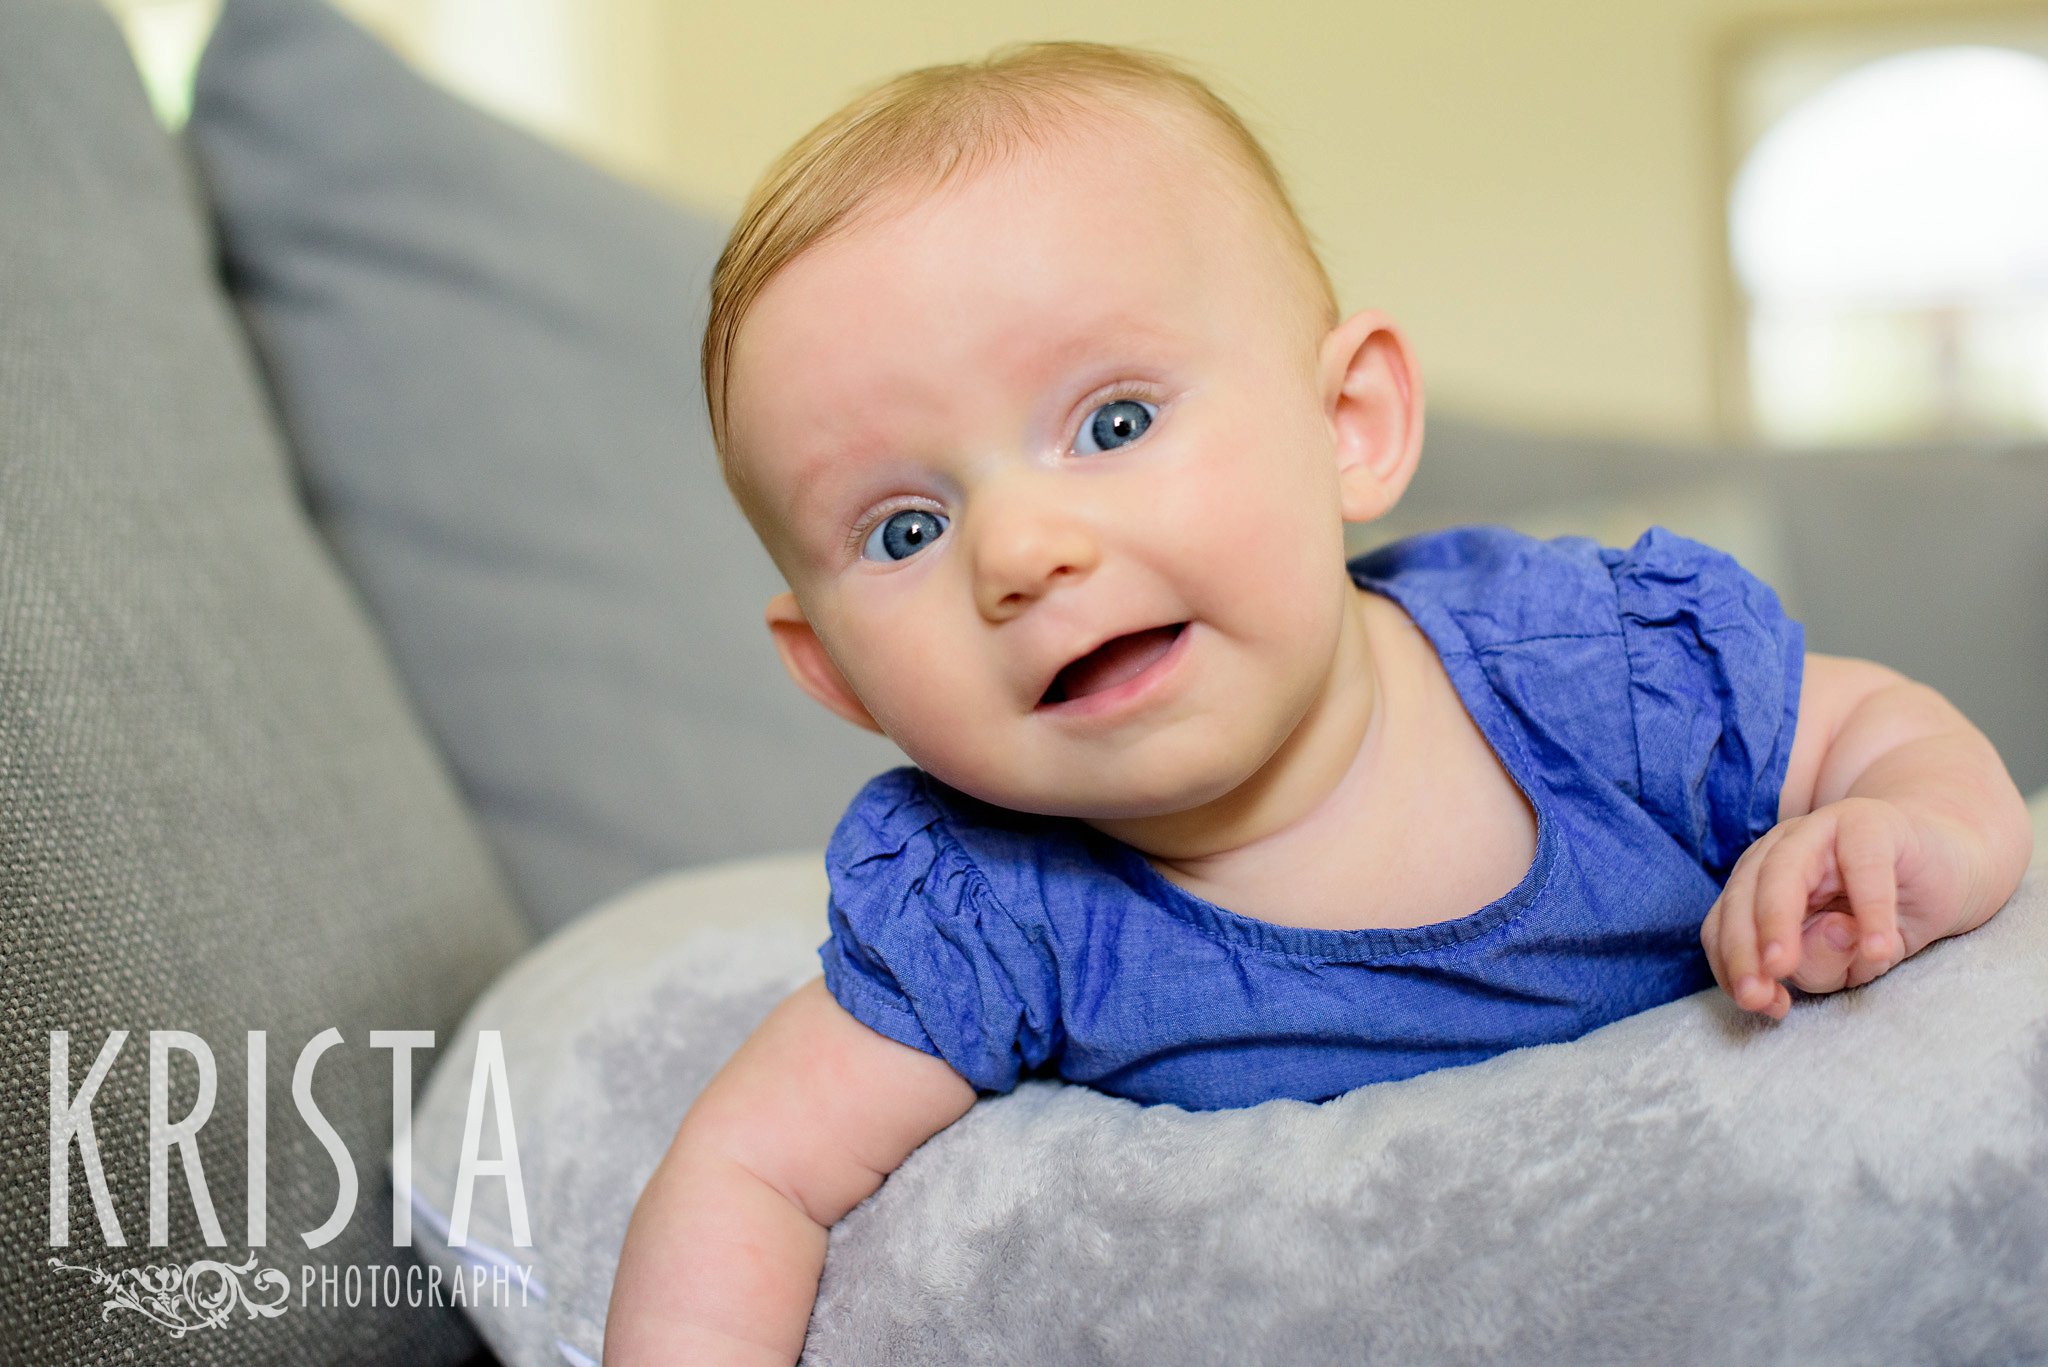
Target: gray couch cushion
486	356
217	813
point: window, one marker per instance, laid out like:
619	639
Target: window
1888	231
166	38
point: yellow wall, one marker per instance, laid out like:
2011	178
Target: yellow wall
1531	187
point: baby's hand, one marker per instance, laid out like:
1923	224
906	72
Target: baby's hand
1832	899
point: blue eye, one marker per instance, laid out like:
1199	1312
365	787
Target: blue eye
1113	425
903	534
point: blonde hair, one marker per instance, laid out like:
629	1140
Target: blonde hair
932	124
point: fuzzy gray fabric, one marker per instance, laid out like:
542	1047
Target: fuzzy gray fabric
1867	1181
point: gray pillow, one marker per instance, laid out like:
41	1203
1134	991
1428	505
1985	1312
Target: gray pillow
217	812
1865	1182
485	354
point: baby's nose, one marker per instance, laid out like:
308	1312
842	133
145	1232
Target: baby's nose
1023	548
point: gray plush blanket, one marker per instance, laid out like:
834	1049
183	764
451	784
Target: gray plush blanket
1865	1182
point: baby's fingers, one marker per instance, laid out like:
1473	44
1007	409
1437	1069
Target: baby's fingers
1784	891
1828	949
1867	854
1732	944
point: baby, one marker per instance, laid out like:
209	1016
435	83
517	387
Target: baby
1029	379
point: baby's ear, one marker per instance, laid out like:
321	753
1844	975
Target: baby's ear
1372	399
803	655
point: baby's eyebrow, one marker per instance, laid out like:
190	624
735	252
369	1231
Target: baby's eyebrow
1120	330
815	484
818	499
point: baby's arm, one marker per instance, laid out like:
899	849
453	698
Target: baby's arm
722	1259
1898	825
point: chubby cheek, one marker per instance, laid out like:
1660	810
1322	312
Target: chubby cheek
971	753
920	684
1265	534
946	713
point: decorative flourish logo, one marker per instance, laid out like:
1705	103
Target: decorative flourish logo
202	1295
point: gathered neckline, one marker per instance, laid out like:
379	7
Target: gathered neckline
1375	943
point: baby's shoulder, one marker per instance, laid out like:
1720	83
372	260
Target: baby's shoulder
897	807
1498	585
908	838
1501	587
932	942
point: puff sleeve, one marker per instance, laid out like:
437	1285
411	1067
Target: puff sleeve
921	949
1714	668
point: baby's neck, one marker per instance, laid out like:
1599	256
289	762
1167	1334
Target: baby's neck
1421	824
1270	839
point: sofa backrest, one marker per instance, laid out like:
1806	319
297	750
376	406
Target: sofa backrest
484	352
218	813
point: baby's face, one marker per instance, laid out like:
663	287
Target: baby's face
1045	459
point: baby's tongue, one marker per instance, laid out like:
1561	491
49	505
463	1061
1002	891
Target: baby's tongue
1112	662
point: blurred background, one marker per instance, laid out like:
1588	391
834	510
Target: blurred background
1770	273
1804	223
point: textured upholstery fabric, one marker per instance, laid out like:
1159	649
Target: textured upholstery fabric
486	358
217	813
1866	1181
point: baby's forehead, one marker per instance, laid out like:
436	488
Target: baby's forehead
1127	185
1113	233
1196	156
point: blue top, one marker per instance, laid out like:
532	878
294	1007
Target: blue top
1644	702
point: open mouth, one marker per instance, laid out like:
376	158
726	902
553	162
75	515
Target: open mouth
1115	661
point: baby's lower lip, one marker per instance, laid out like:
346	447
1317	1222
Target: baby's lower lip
1113	669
